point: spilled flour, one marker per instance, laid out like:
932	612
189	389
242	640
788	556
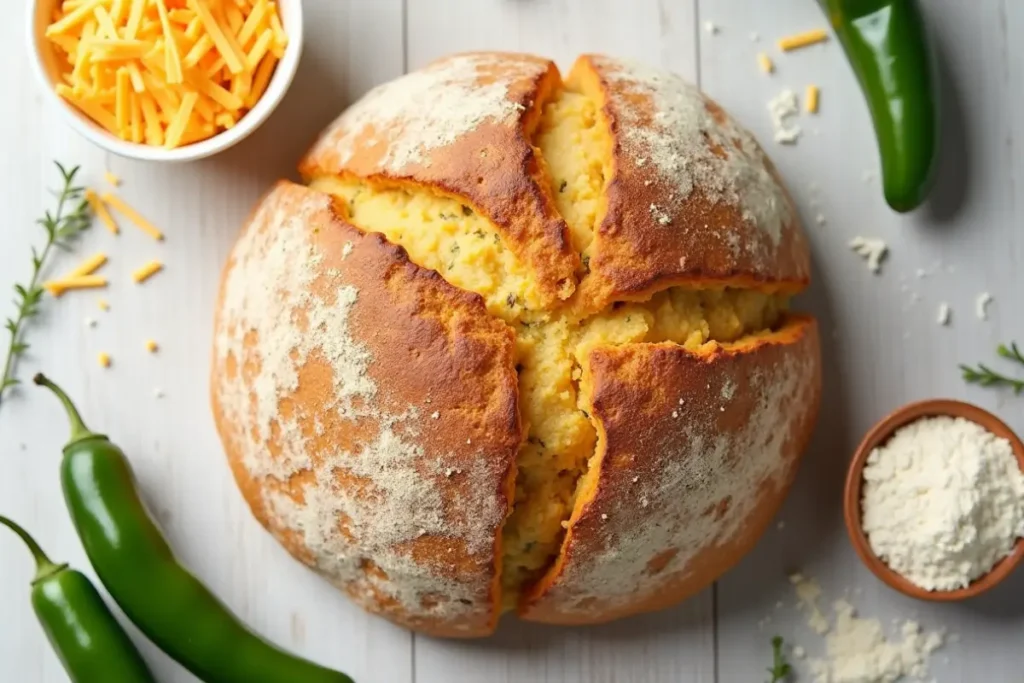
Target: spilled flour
807	593
858	649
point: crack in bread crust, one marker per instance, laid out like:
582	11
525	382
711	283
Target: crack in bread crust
693	198
574	140
462	126
697	450
554	401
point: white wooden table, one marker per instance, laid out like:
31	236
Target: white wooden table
882	344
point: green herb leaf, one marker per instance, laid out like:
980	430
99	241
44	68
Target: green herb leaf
985	376
780	668
68	221
1011	352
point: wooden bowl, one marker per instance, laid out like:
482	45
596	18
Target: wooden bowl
854	480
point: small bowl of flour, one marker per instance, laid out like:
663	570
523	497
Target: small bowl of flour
934	500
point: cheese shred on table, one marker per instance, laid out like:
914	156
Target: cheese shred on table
800	40
132	215
811	99
166	72
100	209
147	271
89	265
58	287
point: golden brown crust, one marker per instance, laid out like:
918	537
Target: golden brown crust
462	127
693	199
369	413
697	451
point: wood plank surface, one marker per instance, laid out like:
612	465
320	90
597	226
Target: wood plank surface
882	344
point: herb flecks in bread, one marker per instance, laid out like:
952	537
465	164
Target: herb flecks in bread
601	406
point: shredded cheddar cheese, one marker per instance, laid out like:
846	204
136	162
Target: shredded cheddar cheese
104	360
172	59
88	266
147	271
765	62
223	37
58	287
104	306
799	40
811	99
100	209
166	72
131	214
151	346
111	178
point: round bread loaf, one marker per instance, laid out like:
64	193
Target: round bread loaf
521	344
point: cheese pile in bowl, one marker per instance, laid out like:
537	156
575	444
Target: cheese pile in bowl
166	72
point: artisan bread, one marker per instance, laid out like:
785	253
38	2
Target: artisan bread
519	343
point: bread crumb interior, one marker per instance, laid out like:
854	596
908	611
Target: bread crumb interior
573	140
443	234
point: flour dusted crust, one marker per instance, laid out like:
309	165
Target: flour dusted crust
697	451
693	198
377	449
462	126
370	409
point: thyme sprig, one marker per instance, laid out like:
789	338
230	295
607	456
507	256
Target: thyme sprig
780	668
67	221
1011	352
987	377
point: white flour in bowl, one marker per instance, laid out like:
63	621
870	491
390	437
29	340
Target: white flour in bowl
943	502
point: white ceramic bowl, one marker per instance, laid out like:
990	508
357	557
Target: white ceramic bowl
45	61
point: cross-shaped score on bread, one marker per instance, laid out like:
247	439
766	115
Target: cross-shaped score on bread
521	344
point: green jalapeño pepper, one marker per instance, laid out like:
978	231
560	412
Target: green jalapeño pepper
91	645
887	44
139	569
